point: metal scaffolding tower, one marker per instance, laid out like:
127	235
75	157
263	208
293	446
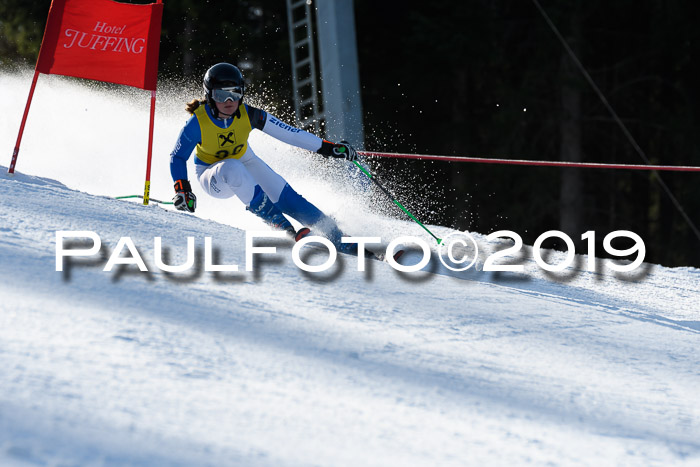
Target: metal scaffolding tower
305	81
339	115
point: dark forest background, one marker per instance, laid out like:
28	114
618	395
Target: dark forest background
487	79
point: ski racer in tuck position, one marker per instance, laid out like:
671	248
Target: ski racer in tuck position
227	166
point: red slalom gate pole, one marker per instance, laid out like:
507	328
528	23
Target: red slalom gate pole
488	160
147	185
15	153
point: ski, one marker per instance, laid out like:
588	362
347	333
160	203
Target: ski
304	232
374	255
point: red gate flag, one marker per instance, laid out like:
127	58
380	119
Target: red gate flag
103	40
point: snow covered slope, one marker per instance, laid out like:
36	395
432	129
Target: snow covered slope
282	367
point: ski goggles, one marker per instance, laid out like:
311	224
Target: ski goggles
224	94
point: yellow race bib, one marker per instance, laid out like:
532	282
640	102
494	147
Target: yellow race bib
222	143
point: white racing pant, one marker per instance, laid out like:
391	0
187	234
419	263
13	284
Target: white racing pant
238	177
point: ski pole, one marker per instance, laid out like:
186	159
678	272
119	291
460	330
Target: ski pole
393	198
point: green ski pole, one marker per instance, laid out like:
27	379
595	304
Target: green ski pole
141	196
393	198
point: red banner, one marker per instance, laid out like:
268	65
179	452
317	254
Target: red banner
103	40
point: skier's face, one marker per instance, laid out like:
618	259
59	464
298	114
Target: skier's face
227	108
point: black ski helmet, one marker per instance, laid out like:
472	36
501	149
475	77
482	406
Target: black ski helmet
222	75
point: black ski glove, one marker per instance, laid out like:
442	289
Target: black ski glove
184	199
340	150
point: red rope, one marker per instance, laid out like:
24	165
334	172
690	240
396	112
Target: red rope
487	160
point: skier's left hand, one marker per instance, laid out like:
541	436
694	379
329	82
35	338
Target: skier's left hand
342	150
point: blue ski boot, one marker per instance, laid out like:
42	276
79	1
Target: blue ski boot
263	207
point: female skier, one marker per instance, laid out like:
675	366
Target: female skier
227	166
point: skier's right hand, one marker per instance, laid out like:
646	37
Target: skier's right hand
184	199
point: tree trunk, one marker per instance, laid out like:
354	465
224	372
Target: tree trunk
459	123
571	194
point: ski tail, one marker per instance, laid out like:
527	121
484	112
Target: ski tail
301	233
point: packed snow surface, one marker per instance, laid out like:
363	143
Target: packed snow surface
278	366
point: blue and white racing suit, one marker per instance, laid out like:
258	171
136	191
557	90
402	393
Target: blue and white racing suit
226	167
